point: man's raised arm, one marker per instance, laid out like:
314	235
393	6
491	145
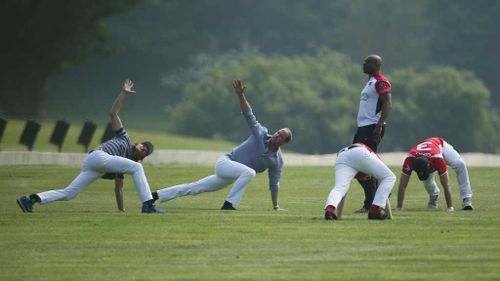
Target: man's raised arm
239	89
127	89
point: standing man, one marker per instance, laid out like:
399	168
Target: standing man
429	157
374	108
260	151
117	155
350	161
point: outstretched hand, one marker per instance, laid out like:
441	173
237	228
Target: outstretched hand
239	87
128	86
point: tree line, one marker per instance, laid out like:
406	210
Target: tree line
169	47
317	96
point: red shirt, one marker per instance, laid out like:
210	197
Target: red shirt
432	148
382	86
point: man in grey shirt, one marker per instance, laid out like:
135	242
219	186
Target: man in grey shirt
259	152
117	155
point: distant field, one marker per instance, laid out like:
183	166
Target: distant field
14	130
87	239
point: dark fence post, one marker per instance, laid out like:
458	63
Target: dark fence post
3	124
108	133
59	134
86	135
29	134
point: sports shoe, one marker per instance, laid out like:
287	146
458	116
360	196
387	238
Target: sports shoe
330	213
25	204
151	208
361	211
433	201
376	213
467	204
228	206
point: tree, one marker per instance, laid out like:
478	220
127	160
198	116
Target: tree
399	31
465	35
444	102
40	37
316	96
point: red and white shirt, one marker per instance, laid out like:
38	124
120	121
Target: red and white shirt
370	105
432	148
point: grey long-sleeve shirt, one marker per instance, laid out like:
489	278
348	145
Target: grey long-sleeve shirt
253	152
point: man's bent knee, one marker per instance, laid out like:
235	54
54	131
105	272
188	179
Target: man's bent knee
250	173
137	167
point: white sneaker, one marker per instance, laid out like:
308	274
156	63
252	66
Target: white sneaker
433	201
467	204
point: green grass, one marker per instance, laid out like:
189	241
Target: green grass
14	129
87	239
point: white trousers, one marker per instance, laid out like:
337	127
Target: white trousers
452	159
359	159
430	185
94	166
226	171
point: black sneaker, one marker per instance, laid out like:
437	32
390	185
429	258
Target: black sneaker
25	204
151	208
467	204
363	210
227	206
330	213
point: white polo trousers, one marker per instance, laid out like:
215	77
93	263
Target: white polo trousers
454	160
226	171
94	166
359	159
430	184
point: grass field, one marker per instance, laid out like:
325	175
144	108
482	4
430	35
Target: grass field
87	239
14	129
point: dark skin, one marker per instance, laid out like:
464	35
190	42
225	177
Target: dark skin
140	150
372	65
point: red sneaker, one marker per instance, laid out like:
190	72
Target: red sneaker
375	213
330	213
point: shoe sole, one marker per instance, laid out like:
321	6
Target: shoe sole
332	218
155	212
377	217
21	206
467	208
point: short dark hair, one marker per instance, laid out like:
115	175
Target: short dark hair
421	167
149	147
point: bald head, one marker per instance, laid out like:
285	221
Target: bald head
372	64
